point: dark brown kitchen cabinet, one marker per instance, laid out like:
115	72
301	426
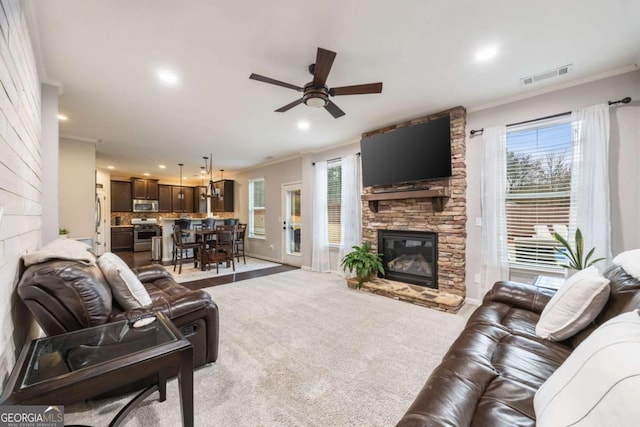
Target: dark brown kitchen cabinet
223	202
200	202
121	239
182	199
164	198
121	200
146	189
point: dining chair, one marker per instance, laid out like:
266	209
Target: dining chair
182	248
238	242
222	250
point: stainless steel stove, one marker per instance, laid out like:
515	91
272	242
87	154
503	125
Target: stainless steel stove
144	229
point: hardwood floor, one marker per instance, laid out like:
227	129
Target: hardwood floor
139	259
236	277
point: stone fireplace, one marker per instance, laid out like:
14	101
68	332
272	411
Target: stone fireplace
437	207
410	256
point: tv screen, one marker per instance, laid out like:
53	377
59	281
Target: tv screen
414	153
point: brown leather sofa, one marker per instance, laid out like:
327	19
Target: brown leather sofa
67	295
493	369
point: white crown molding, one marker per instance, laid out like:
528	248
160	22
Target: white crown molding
34	35
565	85
82	139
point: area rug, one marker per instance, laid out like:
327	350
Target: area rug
301	349
190	274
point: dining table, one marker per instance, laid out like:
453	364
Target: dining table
205	236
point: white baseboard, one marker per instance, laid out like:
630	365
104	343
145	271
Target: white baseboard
472	301
279	261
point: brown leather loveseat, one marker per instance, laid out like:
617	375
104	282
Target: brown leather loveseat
67	295
493	369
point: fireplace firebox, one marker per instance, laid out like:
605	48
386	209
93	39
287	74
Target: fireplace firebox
410	256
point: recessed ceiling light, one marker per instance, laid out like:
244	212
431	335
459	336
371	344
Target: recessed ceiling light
486	53
162	166
62	117
110	167
167	77
146	174
304	125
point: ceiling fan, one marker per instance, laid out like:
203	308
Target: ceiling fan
316	93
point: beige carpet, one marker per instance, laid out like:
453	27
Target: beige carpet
301	349
189	273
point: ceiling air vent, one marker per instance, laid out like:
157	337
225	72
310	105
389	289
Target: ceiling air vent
560	71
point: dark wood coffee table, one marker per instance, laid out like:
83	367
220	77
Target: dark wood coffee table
69	368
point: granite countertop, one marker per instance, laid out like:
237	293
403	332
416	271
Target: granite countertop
121	226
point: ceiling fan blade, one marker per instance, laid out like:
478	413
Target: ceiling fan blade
356	89
264	79
289	106
334	110
324	61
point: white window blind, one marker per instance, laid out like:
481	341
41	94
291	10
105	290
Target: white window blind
539	160
334	192
257	208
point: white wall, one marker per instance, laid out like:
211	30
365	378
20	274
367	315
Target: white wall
275	175
20	175
77	187
50	152
624	159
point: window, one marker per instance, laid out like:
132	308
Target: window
334	200
539	160
256	208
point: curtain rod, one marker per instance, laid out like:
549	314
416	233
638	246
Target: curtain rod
332	160
474	132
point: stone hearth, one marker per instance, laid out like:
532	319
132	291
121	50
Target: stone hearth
446	216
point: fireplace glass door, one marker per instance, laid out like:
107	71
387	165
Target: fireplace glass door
410	256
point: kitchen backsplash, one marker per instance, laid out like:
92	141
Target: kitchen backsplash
126	216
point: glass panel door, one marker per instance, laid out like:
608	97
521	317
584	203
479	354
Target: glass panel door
291	224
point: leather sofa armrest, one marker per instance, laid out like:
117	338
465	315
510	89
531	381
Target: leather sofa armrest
520	295
177	305
131	314
172	306
149	273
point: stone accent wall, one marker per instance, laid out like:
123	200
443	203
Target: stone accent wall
419	215
20	175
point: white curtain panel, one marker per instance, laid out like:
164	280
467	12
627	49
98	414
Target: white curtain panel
590	178
351	207
495	260
320	248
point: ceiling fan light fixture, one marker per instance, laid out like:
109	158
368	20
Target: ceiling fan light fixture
316	102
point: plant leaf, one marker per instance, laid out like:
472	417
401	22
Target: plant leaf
571	256
579	249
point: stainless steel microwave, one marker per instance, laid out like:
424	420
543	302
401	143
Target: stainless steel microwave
141	205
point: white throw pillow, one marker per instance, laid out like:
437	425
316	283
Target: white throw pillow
598	383
630	261
578	301
125	286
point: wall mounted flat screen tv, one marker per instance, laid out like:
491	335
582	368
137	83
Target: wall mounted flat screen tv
408	154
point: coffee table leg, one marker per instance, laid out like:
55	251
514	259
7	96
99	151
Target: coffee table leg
162	386
185	382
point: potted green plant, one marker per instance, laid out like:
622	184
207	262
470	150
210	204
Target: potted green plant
576	259
62	233
363	263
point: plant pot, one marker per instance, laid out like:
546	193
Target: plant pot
62	236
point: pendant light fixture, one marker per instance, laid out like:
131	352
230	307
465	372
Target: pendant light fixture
181	192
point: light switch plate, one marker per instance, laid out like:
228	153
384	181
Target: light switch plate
478	221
